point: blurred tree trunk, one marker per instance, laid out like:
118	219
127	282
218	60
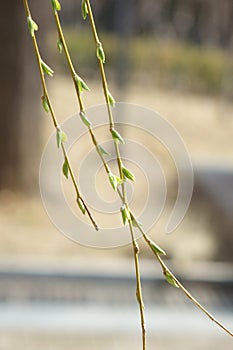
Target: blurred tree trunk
20	98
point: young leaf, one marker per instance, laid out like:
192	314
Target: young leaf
84	9
102	150
170	279
111	99
125	214
65	169
59	45
56	5
135	223
45	104
81	84
128	174
84	118
116	136
61	137
114	180
32	26
156	248
46	69
81	206
100	53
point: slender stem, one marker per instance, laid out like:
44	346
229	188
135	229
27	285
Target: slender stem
139	287
55	122
119	162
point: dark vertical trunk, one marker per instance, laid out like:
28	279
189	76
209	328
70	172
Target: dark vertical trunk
20	99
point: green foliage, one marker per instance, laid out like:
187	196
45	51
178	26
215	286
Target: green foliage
100	53
114	180
45	104
46	69
56	5
84	9
81	84
128	174
59	46
32	26
102	150
170	279
65	169
117	136
81	205
61	137
125	214
111	99
156	248
84	119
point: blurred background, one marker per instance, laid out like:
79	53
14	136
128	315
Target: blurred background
173	56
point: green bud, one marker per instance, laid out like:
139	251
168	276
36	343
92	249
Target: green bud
56	5
32	26
45	103
102	150
156	248
59	45
65	169
61	137
81	206
114	180
170	279
84	119
135	223
81	84
125	214
111	99
84	9
100	53
46	69
128	174
116	136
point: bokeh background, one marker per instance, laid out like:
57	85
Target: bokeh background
173	56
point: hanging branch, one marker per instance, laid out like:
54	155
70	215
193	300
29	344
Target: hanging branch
116	181
47	105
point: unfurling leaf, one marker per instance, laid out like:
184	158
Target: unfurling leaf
56	5
46	69
116	136
156	248
111	99
134	222
84	118
65	169
114	180
128	174
32	26
84	9
170	279
61	137
100	53
125	214
81	205
103	150
81	84
45	103
59	45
